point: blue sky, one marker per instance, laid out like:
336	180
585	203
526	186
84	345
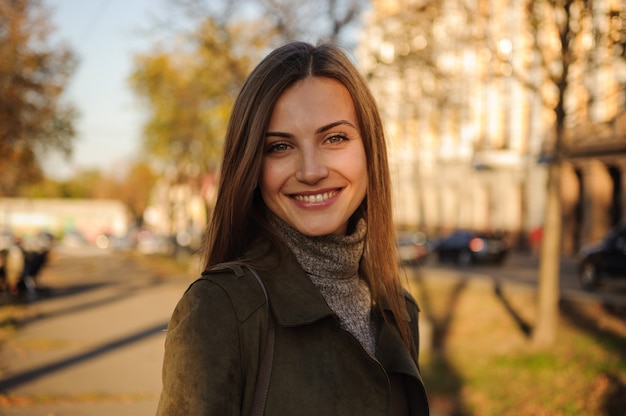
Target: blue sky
104	34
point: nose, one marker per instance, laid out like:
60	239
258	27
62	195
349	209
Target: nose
312	167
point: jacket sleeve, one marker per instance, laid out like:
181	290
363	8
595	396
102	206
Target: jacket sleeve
202	372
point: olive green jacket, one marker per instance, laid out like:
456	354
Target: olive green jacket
216	337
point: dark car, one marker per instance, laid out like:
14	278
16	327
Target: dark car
606	259
467	247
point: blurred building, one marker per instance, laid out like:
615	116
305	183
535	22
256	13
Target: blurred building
89	217
178	209
463	94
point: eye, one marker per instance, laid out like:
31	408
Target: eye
276	147
336	138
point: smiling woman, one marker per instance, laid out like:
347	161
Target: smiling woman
314	174
303	199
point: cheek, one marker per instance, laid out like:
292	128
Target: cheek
360	171
270	179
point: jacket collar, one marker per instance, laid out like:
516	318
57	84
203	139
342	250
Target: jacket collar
294	299
393	354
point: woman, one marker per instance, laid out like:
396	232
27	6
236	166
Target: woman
304	198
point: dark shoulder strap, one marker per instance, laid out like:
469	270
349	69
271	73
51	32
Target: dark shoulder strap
265	365
244	290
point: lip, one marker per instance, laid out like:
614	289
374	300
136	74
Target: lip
316	198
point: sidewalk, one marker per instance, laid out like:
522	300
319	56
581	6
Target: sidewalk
95	345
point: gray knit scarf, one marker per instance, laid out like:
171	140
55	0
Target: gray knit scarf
332	264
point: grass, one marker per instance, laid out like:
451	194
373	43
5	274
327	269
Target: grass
481	360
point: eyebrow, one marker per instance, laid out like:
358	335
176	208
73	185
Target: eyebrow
320	130
335	124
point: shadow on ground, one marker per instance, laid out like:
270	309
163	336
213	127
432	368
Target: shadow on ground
440	373
589	319
16	380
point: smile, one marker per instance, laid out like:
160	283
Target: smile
315	198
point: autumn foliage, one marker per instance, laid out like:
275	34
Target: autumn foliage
33	76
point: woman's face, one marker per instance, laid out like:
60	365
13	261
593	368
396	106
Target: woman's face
314	173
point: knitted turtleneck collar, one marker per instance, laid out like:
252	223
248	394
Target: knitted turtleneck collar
328	256
332	264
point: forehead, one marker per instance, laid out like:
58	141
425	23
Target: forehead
315	99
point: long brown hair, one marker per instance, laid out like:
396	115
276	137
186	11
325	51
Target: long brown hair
238	219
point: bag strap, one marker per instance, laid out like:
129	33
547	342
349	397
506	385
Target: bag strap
259	398
265	366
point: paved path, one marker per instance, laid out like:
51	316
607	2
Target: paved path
95	345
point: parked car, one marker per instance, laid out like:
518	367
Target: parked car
465	247
413	248
604	260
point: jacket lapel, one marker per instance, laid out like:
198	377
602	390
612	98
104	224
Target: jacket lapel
294	299
393	355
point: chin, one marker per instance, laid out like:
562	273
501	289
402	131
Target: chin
320	231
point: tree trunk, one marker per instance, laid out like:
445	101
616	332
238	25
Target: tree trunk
544	333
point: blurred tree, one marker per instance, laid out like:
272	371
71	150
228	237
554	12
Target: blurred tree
286	20
45	188
407	41
84	184
562	31
135	189
189	93
33	75
329	20
87	183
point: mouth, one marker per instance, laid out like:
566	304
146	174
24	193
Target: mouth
316	198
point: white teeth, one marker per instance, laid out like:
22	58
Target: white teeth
316	198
